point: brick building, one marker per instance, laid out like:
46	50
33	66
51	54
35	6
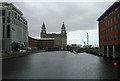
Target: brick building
46	42
32	42
109	31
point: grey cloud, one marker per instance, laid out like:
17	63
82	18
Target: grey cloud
77	15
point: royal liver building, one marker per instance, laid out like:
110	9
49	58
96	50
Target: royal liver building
60	40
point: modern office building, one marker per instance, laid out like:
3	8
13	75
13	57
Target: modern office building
60	39
14	28
0	34
109	31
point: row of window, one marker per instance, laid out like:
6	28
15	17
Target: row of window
110	38
14	16
19	24
14	22
110	30
110	21
18	17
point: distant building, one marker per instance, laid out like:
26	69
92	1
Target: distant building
14	28
60	39
76	45
32	42
109	31
47	43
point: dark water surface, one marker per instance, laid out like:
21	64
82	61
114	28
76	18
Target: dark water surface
60	65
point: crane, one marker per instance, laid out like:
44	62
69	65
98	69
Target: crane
84	42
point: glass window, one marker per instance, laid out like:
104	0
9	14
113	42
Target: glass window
9	13
118	16
8	19
3	31
111	38
108	30
118	26
3	20
111	29
118	36
114	27
8	31
111	20
114	18
108	22
2	12
115	37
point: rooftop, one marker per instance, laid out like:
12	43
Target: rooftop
114	6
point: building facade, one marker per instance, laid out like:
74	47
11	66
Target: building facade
109	31
14	28
32	42
47	43
60	39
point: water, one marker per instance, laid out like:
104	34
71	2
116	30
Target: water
60	65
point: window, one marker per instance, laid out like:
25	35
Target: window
118	36
111	38
111	20
108	30
105	24
118	16
15	16
2	12
8	19
8	31
9	13
105	31
115	37
108	22
3	20
18	17
114	27
3	31
114	18
118	26
111	29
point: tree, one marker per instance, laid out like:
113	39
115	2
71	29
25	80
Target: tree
68	46
40	45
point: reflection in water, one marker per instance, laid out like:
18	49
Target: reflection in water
60	65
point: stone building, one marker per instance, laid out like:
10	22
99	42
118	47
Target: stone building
60	39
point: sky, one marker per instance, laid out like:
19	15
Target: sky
80	18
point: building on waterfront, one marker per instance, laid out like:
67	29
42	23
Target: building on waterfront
32	42
0	34
14	28
47	43
60	40
109	31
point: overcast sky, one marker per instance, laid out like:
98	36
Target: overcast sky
79	18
